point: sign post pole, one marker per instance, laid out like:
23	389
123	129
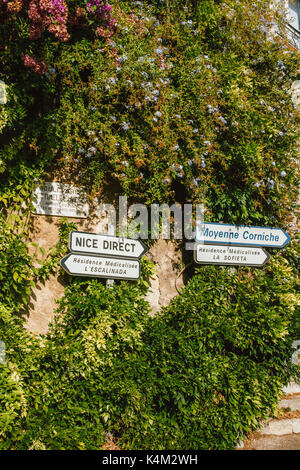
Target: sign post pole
111	231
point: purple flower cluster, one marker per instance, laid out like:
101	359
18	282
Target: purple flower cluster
100	9
58	9
51	15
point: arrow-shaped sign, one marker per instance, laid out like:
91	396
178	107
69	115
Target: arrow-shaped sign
93	243
227	234
230	255
100	266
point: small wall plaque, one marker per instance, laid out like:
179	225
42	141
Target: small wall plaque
3	97
60	199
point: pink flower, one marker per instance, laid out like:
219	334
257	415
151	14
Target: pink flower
31	62
54	16
100	9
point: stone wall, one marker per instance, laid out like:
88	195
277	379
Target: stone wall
166	254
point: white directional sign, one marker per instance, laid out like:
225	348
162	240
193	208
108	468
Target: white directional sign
227	234
100	266
230	255
93	243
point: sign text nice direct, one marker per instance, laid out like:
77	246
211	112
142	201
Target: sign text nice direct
118	245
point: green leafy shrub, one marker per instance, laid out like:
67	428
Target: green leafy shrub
214	362
17	266
200	375
21	355
185	101
16	270
70	392
12	407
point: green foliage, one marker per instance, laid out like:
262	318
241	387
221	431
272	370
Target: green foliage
22	352
70	388
214	361
184	101
12	406
200	375
17	270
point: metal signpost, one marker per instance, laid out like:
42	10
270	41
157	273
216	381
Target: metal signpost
103	256
111	230
226	244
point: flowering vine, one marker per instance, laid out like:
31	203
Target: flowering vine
57	17
100	9
184	110
48	14
31	62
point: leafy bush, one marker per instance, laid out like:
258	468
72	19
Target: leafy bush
185	101
200	375
21	353
214	362
69	388
12	408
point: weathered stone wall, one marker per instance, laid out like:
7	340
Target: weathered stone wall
166	254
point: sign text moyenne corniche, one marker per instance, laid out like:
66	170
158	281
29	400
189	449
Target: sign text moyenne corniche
208	232
246	235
